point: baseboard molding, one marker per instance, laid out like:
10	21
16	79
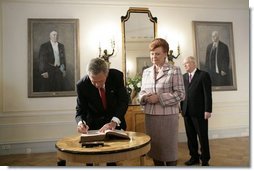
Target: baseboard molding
49	146
220	133
28	148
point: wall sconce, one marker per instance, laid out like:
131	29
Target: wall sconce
171	56
106	55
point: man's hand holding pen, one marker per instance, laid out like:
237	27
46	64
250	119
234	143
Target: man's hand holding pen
83	128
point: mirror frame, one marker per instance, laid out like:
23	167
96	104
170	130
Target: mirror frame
123	20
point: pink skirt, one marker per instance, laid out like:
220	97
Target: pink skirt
163	130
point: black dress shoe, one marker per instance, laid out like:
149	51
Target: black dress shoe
205	164
192	162
89	164
111	164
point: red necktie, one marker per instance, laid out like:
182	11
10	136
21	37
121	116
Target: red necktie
190	77
103	97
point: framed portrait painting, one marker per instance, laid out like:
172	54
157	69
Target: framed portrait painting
214	47
143	63
53	57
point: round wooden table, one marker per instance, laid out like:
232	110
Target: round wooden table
69	149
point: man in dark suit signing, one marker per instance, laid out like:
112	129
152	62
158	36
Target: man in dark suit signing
102	98
196	109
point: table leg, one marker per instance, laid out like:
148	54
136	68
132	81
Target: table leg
61	162
142	160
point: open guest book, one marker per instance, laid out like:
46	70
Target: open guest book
95	135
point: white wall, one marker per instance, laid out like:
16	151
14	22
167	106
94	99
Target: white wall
25	122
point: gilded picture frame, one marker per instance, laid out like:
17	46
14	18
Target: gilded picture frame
224	73
49	76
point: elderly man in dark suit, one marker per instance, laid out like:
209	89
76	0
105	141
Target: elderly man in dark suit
52	64
217	62
196	109
102	98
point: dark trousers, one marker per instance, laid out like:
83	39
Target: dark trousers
197	128
219	80
55	81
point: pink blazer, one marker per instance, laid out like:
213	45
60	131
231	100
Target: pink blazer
168	85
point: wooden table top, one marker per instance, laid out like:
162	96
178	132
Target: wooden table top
71	144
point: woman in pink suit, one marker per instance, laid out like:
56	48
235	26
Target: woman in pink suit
161	92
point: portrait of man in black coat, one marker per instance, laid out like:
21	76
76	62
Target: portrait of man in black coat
52	64
218	61
53	58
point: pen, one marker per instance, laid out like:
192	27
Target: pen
83	122
84	125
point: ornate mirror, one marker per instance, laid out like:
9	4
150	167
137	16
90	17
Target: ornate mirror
139	28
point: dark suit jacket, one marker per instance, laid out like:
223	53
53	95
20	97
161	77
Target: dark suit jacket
89	105
222	57
198	98
46	56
